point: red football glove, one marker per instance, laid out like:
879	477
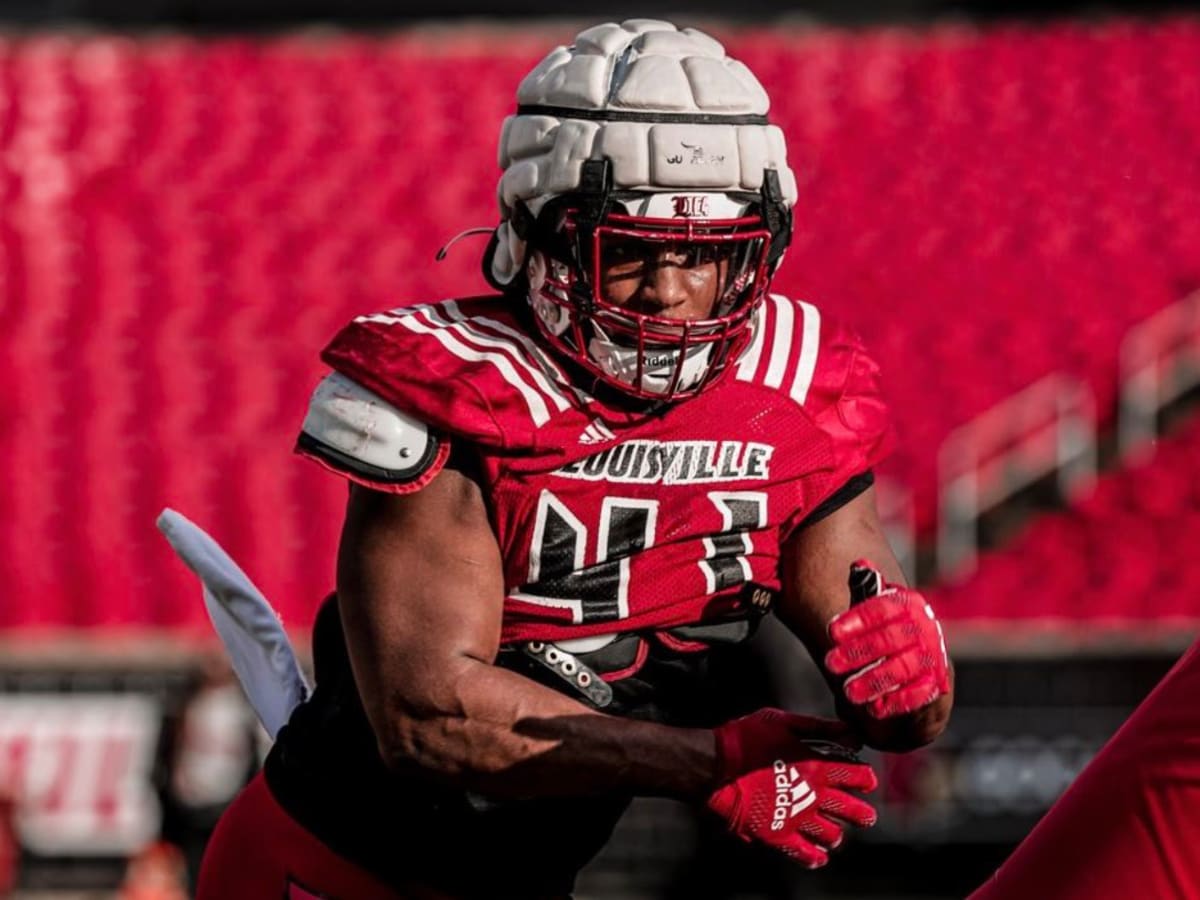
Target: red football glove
893	644
780	777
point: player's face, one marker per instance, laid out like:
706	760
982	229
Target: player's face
674	280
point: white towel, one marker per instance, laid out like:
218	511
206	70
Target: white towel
258	647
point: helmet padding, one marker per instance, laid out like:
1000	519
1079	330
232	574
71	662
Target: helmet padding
666	106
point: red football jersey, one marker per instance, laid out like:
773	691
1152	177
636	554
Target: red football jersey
614	519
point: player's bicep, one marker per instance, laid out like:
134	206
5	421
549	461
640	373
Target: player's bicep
815	563
420	587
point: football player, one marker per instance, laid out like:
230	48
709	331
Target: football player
1129	824
569	497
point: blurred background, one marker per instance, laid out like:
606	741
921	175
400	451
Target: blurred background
1004	198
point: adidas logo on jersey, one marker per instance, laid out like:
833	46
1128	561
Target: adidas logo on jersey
596	433
792	795
673	462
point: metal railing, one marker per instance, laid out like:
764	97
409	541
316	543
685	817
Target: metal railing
1159	362
1047	428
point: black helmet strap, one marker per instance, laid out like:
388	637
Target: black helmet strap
776	215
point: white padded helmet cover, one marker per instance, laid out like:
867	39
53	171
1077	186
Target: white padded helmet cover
640	66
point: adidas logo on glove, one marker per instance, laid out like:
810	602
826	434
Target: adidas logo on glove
792	794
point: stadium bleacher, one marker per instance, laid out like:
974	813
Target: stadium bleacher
1124	556
185	222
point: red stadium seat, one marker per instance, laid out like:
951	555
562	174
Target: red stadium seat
1125	555
184	222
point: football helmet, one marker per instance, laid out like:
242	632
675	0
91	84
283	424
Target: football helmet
640	146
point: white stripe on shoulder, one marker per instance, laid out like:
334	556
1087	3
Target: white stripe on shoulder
748	365
809	347
441	331
781	346
538	364
391	317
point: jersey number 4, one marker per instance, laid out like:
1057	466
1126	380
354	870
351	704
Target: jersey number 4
560	576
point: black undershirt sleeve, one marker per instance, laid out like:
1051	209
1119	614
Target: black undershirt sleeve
839	498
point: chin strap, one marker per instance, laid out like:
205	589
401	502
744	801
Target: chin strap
777	216
594	198
595	191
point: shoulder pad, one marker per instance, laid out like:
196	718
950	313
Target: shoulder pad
359	434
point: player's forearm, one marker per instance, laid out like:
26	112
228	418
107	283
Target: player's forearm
499	733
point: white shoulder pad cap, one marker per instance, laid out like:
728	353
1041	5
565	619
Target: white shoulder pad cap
355	429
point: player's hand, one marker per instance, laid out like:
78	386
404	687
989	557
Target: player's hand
890	644
783	780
